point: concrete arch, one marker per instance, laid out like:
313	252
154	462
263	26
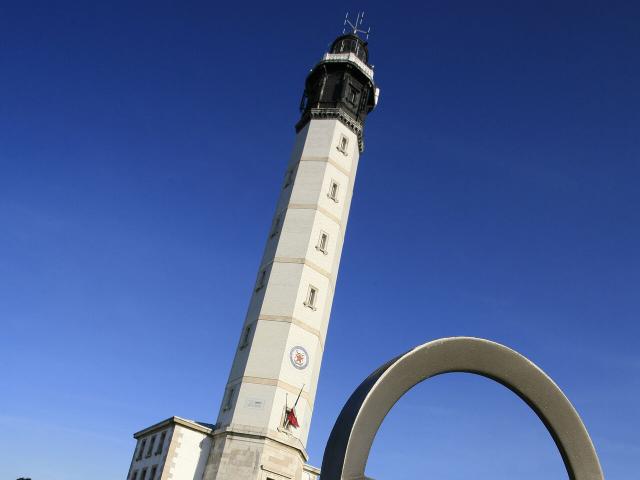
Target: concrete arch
347	450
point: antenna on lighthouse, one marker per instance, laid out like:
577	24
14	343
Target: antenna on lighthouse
355	27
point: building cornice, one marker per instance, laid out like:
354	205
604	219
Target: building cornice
190	424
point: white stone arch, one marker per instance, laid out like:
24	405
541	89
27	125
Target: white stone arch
347	450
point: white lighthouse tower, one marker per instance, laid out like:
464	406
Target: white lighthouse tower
263	422
280	350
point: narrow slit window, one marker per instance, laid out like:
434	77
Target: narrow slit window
141	451
262	278
288	179
275	228
161	443
333	191
144	474
151	443
323	240
312	297
134	475
153	472
245	337
229	400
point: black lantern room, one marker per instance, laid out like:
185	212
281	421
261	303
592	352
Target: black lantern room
341	85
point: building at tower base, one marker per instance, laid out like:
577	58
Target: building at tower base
177	448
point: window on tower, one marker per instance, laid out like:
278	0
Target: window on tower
352	95
134	475
333	191
275	228
343	143
153	472
288	179
228	402
304	101
312	298
262	278
323	240
144	474
245	337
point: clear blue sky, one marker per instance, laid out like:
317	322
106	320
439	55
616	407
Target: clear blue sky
142	147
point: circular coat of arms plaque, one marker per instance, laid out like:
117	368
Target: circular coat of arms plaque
299	357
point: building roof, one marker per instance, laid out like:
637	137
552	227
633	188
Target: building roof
202	427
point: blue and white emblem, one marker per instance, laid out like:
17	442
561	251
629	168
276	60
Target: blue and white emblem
299	357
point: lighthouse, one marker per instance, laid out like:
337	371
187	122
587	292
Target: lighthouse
266	410
267	405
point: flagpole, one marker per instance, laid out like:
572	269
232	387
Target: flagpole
286	409
299	393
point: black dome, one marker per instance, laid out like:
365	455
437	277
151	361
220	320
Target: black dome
351	43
